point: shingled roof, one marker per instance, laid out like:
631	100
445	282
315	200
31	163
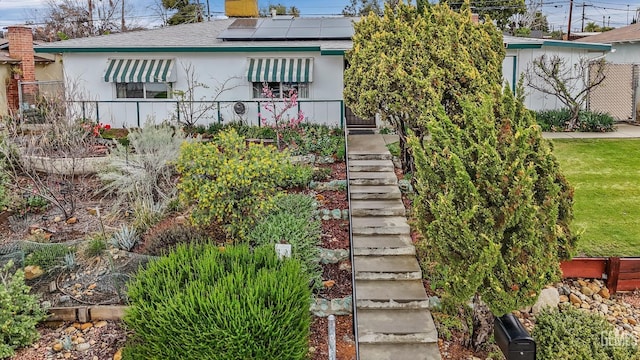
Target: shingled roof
195	37
629	33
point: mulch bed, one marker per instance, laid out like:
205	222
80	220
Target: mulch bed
335	234
345	344
339	275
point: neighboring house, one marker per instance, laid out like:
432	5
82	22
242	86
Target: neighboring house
18	63
130	77
619	93
521	52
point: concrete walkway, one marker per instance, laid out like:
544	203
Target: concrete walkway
622	131
393	319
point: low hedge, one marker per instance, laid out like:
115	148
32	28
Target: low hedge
578	335
206	302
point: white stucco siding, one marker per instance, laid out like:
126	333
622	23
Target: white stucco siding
625	53
536	100
85	73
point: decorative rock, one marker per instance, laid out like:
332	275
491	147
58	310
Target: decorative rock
435	303
632	321
586	306
83	347
118	355
564	290
57	347
604	292
549	298
325	160
564	298
100	324
70	330
72	220
574	299
336	214
332	256
57	219
64	298
328	283
86	326
586	290
597	297
32	271
405	186
604	309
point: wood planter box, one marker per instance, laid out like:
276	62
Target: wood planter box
621	274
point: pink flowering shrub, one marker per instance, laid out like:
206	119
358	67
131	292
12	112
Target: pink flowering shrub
279	119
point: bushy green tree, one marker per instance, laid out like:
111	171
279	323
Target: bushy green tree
406	62
492	205
494	11
186	11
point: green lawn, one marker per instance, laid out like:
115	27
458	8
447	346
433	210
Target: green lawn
606	176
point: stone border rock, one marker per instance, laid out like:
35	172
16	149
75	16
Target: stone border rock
64	166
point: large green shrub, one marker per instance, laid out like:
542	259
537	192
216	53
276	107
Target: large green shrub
553	120
588	121
230	182
20	312
293	223
205	302
577	335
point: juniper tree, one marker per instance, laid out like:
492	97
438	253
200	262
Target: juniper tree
406	62
492	206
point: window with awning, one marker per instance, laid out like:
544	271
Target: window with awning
140	71
284	70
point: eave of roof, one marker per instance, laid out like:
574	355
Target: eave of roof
515	43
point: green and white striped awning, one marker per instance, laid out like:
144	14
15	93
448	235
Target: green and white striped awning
280	70
140	70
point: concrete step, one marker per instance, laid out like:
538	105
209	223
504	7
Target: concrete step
420	351
396	326
381	294
393	207
354	155
372	178
379	225
371	165
387	268
366	192
390	245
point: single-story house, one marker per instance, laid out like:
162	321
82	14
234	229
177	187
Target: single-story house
18	63
618	94
129	77
521	52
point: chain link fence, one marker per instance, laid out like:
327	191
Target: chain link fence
39	97
617	95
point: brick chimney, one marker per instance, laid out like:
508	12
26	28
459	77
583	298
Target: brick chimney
21	48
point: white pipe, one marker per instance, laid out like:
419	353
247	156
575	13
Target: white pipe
332	337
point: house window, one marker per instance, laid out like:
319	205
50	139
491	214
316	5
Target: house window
281	89
139	90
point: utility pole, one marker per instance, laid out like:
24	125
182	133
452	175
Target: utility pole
91	16
122	27
583	6
569	27
627	14
209	12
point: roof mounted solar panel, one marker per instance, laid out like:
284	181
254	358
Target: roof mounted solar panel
244	24
289	28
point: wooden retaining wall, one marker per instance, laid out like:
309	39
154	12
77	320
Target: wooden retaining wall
85	313
620	274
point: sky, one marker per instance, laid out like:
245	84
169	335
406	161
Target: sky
615	13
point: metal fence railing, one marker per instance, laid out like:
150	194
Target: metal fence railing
134	113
